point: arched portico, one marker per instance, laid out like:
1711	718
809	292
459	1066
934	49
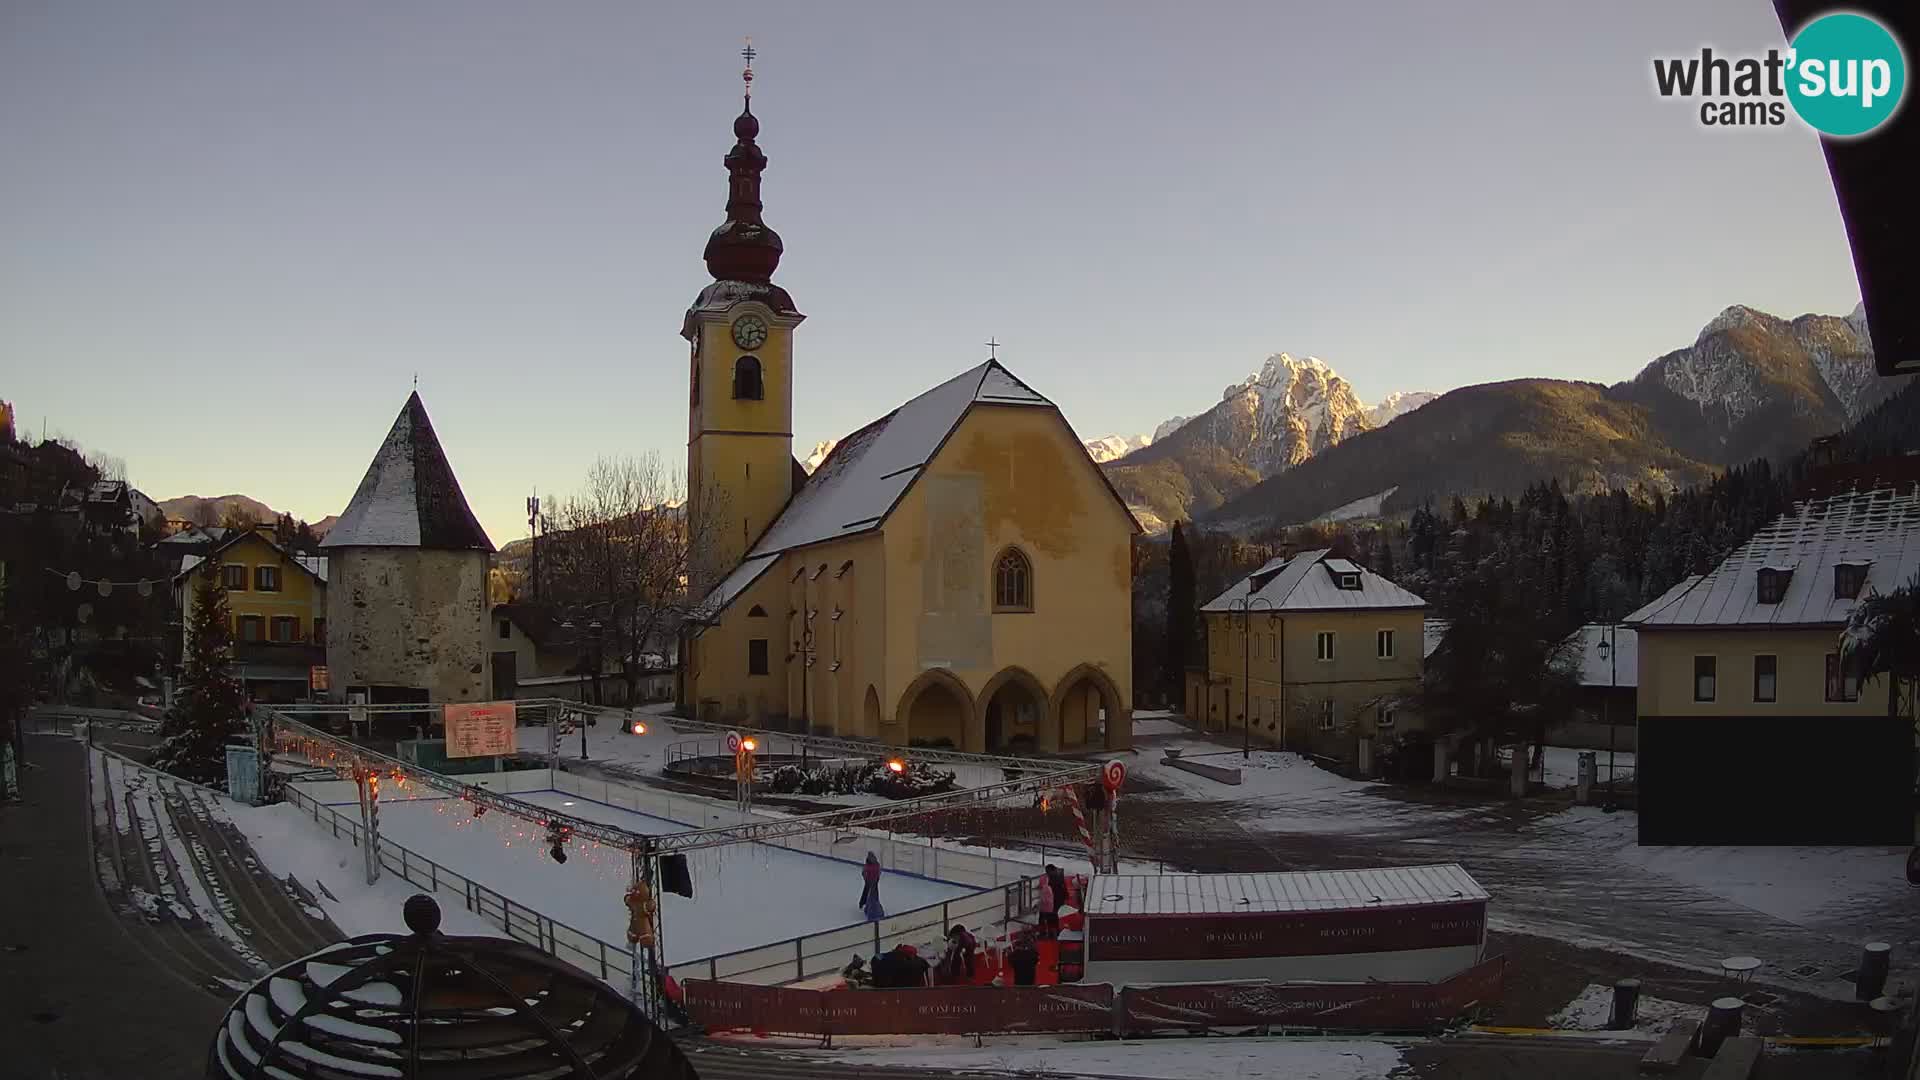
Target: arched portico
1076	705
937	705
1013	704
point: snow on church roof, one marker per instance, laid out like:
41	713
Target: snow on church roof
855	488
409	497
1880	528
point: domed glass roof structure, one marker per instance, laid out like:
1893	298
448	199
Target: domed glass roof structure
429	1005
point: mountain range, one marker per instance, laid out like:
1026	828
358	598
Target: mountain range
212	510
1293	444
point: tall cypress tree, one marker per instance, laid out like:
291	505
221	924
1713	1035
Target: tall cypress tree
1181	611
210	701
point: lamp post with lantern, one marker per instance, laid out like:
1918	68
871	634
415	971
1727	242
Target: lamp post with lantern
1609	651
1245	606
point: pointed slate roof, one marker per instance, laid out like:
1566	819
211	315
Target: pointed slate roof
409	497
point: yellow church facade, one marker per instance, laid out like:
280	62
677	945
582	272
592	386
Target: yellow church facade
956	573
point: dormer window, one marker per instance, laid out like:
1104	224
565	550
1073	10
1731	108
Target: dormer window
1346	575
1848	579
1773	583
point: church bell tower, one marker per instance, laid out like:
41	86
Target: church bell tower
740	465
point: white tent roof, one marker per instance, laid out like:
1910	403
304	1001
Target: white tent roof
1308	890
1880	528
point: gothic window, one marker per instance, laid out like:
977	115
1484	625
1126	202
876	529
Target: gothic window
746	379
1012	581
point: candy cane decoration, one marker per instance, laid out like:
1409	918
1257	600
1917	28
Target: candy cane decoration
1080	821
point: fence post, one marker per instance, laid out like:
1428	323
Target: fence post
603	958
799	960
433	869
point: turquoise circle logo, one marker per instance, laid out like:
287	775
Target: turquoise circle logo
1847	74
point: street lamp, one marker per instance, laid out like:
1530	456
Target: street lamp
1245	606
1609	653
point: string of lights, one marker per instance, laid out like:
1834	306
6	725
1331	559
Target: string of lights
104	586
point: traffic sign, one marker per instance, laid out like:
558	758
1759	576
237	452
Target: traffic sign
1114	775
733	742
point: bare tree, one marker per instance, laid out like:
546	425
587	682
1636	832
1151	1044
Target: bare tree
624	551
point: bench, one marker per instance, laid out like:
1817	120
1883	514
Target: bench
1735	1060
1667	1054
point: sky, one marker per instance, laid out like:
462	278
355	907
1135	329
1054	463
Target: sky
233	234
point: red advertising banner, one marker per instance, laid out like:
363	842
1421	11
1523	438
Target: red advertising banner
938	1010
1291	933
1341	1006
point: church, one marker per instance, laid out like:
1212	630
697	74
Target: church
956	573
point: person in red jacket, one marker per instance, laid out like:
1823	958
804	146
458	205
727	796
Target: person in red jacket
870	874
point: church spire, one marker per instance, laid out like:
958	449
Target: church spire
744	248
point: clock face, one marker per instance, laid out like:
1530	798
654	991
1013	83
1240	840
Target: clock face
749	332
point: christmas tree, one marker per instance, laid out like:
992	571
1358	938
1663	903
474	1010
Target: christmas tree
209	705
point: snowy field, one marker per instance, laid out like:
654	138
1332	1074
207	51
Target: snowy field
744	895
1652	1017
1152	1059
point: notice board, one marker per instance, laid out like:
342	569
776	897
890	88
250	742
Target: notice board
484	729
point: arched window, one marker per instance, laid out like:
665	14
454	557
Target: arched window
1012	581
746	379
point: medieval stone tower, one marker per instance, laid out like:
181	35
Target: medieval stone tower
407	568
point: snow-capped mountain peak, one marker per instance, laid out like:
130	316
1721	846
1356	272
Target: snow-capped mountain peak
820	451
1397	404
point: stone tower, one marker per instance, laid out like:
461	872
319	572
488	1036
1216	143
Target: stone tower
407	578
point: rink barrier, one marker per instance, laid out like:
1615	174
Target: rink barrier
802	957
1096	1007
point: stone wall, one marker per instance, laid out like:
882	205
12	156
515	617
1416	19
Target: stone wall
408	617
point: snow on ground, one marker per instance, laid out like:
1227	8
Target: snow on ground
287	841
1563	765
1149	722
1281	791
744	895
1590	1009
1157	1059
1794	884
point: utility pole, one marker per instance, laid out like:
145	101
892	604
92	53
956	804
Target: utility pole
1245	606
533	538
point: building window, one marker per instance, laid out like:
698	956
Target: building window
757	656
266	578
1273	647
235	577
250	628
756	612
1843	679
1349	581
1773	584
1766	678
1327	715
506	629
1387	717
1012	581
1323	645
1847	580
320	631
286	629
1705	669
746	379
1383	644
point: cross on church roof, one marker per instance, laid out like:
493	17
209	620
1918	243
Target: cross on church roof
993	349
747	76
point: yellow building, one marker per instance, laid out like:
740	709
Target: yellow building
1320	654
956	572
1753	725
278	602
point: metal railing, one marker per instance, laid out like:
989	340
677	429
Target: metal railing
520	921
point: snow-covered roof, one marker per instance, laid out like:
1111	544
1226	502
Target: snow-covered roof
1307	890
1303	583
735	583
1433	631
1880	528
1620	668
860	481
313	564
409	497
